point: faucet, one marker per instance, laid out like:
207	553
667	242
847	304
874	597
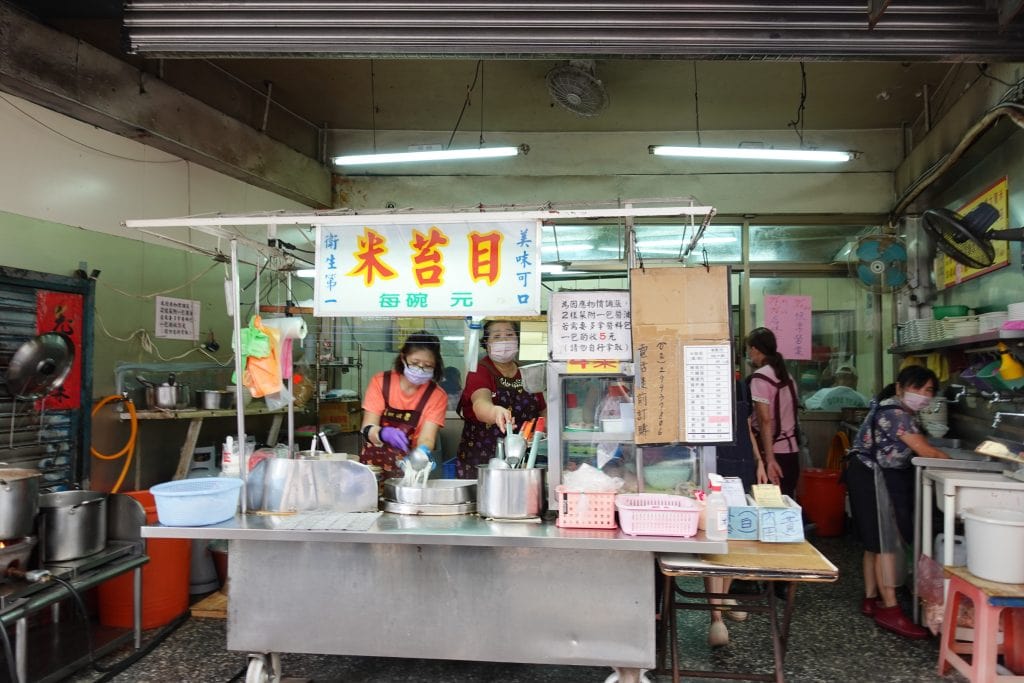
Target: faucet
995	398
1000	416
961	391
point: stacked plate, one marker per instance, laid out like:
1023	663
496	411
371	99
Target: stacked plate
920	331
961	326
991	321
1015	311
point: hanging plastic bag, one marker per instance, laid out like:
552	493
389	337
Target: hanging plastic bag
263	373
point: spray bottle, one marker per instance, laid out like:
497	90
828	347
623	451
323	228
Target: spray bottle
229	466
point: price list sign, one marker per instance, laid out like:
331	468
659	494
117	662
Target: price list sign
707	384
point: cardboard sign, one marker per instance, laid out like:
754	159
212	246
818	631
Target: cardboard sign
680	314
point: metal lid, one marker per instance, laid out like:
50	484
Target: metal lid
40	365
15	474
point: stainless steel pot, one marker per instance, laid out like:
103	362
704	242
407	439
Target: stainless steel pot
73	524
436	492
509	494
168	396
213	399
19	502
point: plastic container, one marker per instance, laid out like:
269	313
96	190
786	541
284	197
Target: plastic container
716	515
608	408
941	312
165	579
959	549
196	502
657	514
995	543
824	500
585	510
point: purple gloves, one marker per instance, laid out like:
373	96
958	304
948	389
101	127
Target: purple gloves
395	438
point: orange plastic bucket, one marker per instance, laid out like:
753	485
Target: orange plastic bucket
164	579
824	500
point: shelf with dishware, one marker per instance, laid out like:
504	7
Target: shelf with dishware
990	337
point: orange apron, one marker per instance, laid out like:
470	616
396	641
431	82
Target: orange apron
385	456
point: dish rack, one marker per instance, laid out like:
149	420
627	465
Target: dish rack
585	509
655	514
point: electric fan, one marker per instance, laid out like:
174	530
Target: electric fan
966	239
879	263
575	87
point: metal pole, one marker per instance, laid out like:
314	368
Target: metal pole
137	606
291	377
236	301
21	648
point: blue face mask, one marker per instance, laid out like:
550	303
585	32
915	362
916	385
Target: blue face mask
417	375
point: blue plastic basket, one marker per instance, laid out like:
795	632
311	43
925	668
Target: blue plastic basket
196	502
448	469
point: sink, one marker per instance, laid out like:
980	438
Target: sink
946	444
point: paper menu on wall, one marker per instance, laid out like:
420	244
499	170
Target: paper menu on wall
768	495
707	382
732	489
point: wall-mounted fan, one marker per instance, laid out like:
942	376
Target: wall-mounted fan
576	87
966	239
879	263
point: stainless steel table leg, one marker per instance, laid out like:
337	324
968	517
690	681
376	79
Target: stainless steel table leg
21	649
137	605
917	542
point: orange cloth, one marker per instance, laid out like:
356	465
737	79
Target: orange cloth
399	400
263	375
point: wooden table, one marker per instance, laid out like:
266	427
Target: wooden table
749	561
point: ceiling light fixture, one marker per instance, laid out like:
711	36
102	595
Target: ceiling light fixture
430	155
751	153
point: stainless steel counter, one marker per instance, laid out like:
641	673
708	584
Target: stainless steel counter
455	530
569	596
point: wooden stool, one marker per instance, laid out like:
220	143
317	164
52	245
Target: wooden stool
991	600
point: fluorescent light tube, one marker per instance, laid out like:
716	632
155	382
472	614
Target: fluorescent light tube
751	153
453	337
429	155
308	273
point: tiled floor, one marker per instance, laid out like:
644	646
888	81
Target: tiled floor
831	642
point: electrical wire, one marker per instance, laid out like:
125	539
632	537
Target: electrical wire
696	102
153	295
149	346
82	144
797	124
465	103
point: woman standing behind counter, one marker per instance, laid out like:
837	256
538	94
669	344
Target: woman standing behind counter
494	400
404	407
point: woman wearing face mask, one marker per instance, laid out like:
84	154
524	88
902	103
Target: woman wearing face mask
880	480
404	407
493	400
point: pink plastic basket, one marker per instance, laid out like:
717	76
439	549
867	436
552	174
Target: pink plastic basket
657	514
585	510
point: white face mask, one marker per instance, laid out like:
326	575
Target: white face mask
503	351
916	402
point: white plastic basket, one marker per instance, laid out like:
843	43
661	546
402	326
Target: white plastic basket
655	514
196	502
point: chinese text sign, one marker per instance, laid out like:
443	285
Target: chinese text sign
789	317
592	325
450	269
177	318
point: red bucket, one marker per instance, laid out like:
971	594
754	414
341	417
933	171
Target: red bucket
824	500
164	579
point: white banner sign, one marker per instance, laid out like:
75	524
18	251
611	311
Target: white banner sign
590	325
488	268
176	318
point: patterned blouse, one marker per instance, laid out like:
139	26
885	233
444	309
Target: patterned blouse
891	421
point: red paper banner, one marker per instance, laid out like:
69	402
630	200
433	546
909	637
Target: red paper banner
62	312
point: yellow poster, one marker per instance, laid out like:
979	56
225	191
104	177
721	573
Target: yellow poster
947	271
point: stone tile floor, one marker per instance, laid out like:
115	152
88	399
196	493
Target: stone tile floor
831	642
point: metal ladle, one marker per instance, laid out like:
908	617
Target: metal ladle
418	459
515	449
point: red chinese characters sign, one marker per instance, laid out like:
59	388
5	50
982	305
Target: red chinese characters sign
416	270
789	317
62	312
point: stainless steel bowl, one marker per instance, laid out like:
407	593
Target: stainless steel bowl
436	492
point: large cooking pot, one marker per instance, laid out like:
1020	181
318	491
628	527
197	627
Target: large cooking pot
214	399
19	502
73	524
508	493
170	395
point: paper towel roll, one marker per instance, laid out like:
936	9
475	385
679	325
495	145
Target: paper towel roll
289	328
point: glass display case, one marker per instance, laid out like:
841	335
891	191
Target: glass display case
591	421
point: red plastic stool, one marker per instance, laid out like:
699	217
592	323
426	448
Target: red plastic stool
991	600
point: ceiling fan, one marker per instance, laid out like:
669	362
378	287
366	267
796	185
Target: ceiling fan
966	239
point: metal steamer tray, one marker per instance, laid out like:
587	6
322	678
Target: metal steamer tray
437	497
433	510
436	492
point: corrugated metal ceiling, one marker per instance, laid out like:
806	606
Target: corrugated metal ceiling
768	29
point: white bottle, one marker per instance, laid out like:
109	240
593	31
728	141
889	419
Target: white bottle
716	511
229	466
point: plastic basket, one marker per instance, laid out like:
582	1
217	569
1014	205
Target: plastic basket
196	502
585	510
656	514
